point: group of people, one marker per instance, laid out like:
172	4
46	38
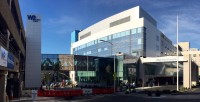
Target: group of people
59	84
52	85
127	85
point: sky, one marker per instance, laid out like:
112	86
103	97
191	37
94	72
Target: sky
61	17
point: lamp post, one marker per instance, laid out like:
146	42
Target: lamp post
114	75
177	56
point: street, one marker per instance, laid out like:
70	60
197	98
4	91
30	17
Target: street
118	98
131	98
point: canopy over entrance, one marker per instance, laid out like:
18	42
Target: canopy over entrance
163	59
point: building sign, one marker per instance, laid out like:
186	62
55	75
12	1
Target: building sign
86	73
127	61
3	57
33	18
10	61
165	59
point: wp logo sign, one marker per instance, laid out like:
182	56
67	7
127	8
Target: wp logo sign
33	18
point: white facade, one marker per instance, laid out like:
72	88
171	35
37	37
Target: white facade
33	52
102	29
137	18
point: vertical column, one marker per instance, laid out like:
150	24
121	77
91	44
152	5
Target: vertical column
141	74
3	82
8	40
10	4
186	72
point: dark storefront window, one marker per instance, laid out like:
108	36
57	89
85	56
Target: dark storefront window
91	69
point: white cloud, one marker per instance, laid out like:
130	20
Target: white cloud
189	25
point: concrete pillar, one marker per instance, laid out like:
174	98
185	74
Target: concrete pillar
3	82
142	73
186	72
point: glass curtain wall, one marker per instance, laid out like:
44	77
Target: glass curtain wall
130	42
49	61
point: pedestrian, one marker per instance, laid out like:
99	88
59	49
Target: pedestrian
133	84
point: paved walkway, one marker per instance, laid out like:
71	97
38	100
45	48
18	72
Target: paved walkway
84	98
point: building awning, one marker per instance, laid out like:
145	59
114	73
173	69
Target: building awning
162	59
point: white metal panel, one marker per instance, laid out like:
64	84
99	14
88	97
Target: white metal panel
33	52
104	24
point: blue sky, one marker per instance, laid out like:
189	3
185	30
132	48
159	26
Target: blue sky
60	17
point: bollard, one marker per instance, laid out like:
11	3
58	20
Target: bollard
34	94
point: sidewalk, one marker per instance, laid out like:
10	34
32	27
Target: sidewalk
29	99
56	99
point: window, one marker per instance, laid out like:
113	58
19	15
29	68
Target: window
139	41
139	30
95	41
105	48
135	53
114	36
157	38
109	37
133	31
123	34
99	50
157	47
127	32
117	35
89	52
194	55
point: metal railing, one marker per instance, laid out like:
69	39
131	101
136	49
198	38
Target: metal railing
3	39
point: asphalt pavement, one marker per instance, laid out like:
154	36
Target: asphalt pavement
192	95
144	98
118	97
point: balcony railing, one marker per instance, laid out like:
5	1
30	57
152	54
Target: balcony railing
3	39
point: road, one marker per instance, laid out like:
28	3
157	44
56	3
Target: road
118	98
131	98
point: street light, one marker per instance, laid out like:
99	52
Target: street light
177	56
114	75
